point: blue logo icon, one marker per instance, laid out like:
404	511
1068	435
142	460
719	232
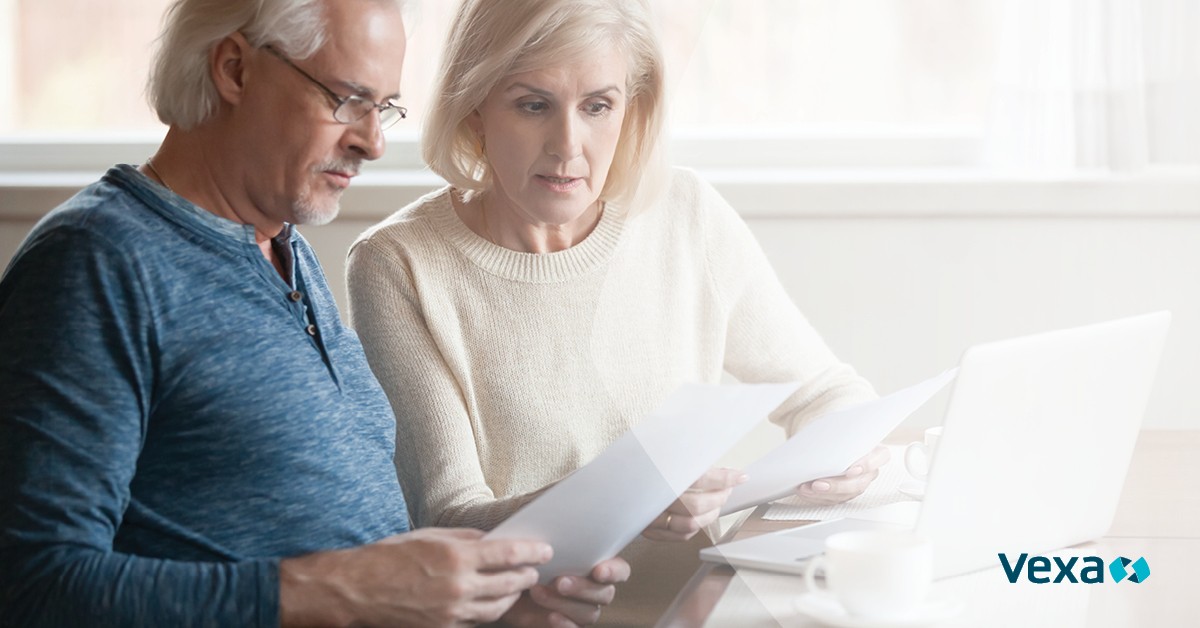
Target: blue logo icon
1119	568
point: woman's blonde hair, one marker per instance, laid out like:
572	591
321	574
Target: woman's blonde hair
492	39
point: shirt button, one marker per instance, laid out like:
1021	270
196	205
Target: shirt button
312	330
295	295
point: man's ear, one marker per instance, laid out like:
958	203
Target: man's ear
227	67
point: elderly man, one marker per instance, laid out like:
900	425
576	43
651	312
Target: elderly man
188	434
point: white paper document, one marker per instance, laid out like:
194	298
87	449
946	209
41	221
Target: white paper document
883	491
829	444
592	514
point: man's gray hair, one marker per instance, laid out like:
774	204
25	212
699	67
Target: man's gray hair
180	88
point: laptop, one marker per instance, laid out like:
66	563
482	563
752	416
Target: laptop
1036	442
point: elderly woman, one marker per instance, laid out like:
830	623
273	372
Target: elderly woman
565	282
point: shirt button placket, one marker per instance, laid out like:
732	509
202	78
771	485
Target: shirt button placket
295	296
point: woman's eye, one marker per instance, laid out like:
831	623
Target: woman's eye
598	108
533	107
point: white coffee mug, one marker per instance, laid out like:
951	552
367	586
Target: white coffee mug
918	455
875	574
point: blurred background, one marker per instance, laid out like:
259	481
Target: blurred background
924	174
79	67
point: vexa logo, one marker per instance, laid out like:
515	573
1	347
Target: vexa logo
1038	568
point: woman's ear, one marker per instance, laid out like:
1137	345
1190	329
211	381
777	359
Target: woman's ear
227	67
475	123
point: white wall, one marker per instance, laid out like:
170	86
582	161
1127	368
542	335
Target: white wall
902	295
901	299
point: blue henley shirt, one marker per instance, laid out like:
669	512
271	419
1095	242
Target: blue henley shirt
175	417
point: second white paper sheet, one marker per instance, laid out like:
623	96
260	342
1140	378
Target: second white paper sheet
829	444
592	514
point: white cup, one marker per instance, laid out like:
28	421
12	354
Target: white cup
875	574
918	455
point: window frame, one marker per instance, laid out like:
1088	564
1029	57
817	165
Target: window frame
763	175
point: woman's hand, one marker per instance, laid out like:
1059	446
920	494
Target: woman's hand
851	484
699	506
570	601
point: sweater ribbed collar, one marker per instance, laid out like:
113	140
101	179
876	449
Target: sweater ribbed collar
578	260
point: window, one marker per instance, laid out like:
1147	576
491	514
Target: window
753	84
807	65
829	65
76	67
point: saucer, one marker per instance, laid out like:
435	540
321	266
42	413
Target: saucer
825	609
913	488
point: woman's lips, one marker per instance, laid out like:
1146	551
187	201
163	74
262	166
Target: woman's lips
559	184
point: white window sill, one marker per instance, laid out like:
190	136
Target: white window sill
956	193
911	176
782	193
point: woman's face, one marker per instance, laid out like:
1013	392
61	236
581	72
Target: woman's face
550	136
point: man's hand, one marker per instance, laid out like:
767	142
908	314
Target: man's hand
699	506
851	484
429	577
570	602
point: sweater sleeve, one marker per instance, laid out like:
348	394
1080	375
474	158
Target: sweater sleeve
437	459
769	339
77	369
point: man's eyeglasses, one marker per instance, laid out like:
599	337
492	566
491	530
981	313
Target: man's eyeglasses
349	109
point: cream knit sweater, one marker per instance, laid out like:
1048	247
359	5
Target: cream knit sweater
509	370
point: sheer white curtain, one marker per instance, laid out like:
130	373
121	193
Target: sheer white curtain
1096	84
1172	45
